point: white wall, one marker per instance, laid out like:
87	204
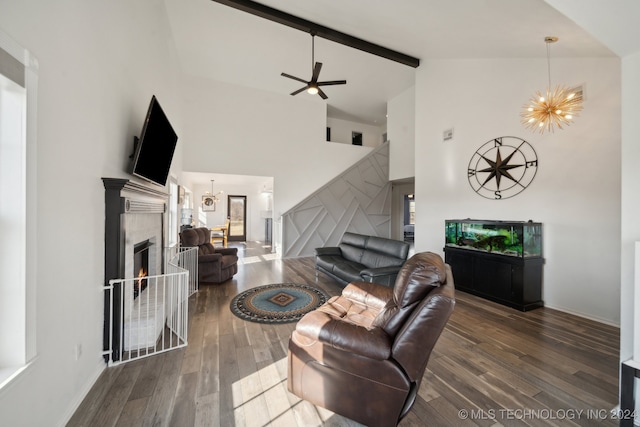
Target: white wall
242	131
401	125
341	132
576	193
99	64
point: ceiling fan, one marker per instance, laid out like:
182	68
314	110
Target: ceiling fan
313	85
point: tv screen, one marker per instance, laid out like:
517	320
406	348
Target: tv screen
155	148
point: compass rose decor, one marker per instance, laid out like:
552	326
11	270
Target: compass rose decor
502	167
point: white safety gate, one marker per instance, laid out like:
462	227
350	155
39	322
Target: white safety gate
151	312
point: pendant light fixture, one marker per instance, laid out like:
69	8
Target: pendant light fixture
209	199
556	108
215	196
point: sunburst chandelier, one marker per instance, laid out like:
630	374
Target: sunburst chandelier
556	107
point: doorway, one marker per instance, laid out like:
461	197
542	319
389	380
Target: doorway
237	214
409	217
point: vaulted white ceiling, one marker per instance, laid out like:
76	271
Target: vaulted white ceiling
219	42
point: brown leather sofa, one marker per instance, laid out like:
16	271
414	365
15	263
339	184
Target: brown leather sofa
363	353
215	265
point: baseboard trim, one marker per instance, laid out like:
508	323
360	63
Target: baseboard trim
583	315
75	403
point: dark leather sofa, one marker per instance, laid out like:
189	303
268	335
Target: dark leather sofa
363	354
215	265
363	258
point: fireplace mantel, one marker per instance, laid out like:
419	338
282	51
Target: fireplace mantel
135	198
130	210
123	197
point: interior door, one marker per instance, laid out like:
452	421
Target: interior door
237	213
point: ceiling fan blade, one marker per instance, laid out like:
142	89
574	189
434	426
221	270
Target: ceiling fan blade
299	90
322	94
332	82
316	71
293	77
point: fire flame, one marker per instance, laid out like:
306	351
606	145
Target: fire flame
141	279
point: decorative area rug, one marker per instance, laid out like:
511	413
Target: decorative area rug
277	303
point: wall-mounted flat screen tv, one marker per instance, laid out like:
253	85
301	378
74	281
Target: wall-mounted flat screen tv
154	151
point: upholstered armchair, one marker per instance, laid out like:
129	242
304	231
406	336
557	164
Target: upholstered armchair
215	265
363	353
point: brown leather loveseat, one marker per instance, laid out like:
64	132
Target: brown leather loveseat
363	353
215	265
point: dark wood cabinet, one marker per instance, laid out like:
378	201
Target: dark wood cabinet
512	281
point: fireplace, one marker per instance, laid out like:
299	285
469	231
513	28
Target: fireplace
134	230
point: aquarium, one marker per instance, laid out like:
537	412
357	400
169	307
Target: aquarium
511	238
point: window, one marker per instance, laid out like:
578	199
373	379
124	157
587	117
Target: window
18	82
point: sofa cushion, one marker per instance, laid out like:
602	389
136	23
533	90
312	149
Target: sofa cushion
350	252
391	248
375	260
349	271
353	239
206	249
190	237
349	311
328	261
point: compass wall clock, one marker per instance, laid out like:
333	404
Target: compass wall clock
502	167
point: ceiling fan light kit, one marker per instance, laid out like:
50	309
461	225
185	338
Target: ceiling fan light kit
557	107
313	85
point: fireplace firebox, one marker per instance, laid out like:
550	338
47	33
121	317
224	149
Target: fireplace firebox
141	266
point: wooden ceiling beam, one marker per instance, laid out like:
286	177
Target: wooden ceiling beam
306	26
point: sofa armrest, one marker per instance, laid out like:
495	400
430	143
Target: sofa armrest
210	257
226	251
330	250
380	274
318	326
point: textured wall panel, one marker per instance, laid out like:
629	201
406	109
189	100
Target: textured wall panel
358	200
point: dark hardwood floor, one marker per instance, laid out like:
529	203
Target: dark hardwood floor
492	366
